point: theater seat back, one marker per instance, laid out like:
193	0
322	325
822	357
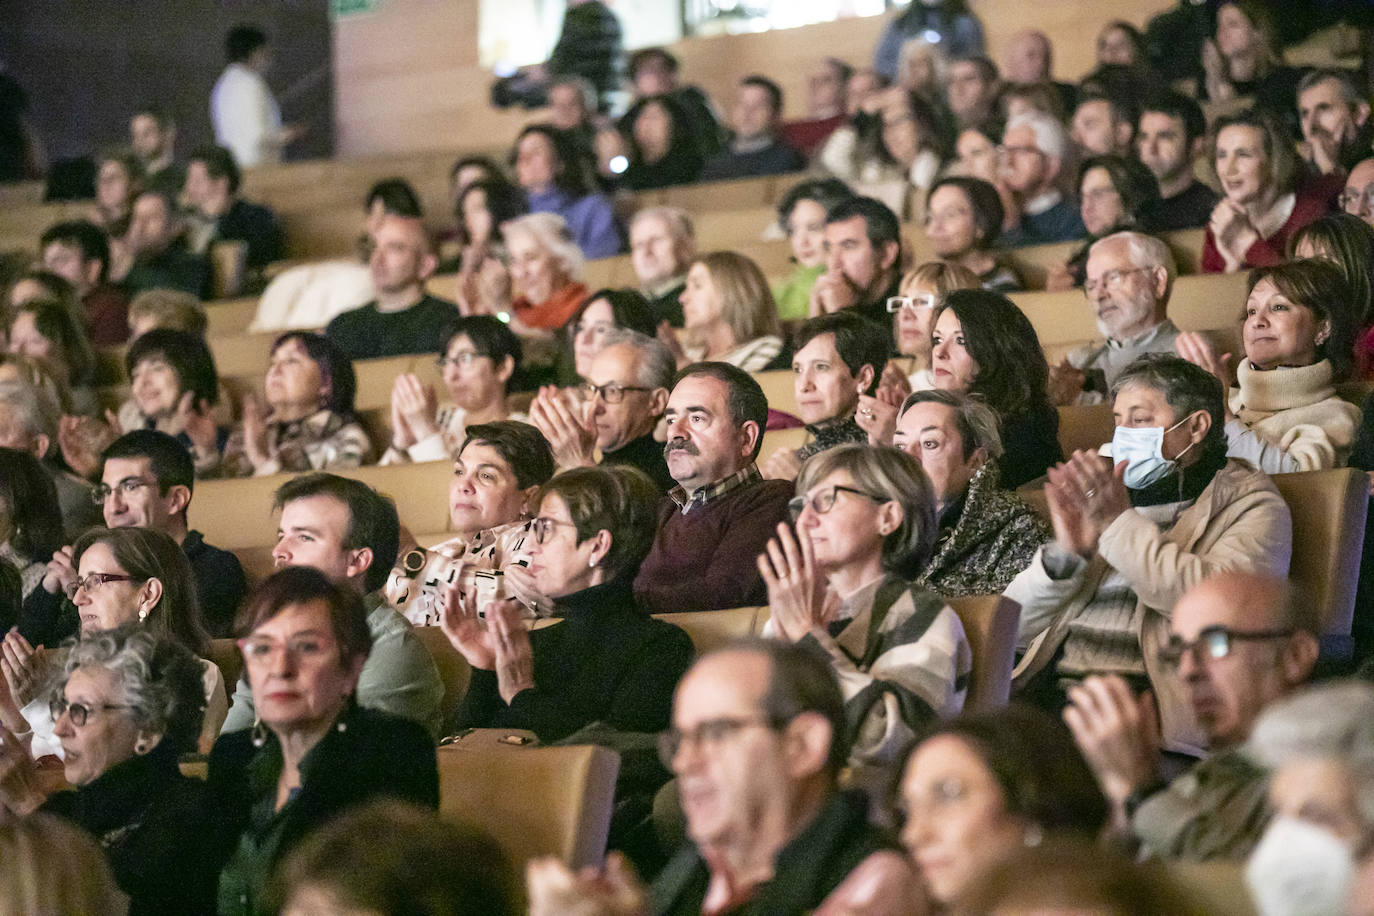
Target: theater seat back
1329	513
454	670
990	624
712	629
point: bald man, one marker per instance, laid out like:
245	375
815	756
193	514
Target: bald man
403	318
1238	642
1030	59
1359	185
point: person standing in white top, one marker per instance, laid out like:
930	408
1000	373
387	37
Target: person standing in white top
246	117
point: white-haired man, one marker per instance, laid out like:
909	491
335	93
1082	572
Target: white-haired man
1129	279
1034	151
662	245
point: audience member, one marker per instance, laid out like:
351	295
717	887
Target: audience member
315	750
624	395
662	149
1121	44
1358	197
1245	60
863	85
49	333
166	308
156	240
1347	242
654	71
1129	278
365	861
755	146
497	470
984	786
712	525
1282	413
308	422
1335	121
125	788
971	89
1264	201
244	113
1017	99
79	252
483	207
403	318
728	314
1102	126
842	586
757	743
1169	139
350	533
839	357
48	864
947	23
607	662
964	217
826	84
589	46
557	180
982	344
1032	157
1130	540
922	291
801	214
662	246
1320	747
152	138
29	423
572	103
546	271
479	356
891	153
118	180
173	389
389	197
602	313
1115	194
1030	61
863	251
1235	643
219	214
30	521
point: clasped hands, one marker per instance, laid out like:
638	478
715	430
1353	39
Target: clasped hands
799	599
568	427
501	643
1085	494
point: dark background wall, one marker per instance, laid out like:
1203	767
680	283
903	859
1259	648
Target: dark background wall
86	64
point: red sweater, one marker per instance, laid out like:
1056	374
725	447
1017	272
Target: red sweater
707	559
1316	198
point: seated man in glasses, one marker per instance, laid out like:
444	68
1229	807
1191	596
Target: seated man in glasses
147	478
1358	197
1237	643
624	396
1129	278
1133	533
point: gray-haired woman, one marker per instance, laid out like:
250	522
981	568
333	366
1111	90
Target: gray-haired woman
865	523
127	704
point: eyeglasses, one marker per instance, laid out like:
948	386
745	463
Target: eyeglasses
125	488
1006	152
1354	200
710	733
543	527
611	394
915	303
824	501
462	360
77	712
94	581
1111	280
1215	643
303	648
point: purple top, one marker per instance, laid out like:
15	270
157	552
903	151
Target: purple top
590	218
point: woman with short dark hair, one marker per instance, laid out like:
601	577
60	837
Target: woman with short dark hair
1347	242
309	423
313	751
173	389
1115	194
607	661
663	151
557	179
964	216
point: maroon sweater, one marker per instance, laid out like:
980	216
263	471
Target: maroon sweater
707	559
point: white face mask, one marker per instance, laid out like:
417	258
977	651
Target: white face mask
1299	869
1142	448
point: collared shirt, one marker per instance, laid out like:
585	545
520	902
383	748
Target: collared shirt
713	491
1110	358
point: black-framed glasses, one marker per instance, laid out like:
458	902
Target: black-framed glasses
711	732
1359	198
1214	643
611	394
824	500
915	303
77	712
94	581
1006	152
125	488
1111	280
462	360
543	527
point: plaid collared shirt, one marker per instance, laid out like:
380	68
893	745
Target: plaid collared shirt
712	491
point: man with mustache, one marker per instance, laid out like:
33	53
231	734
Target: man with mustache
719	517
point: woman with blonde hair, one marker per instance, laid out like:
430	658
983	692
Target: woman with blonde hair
48	865
729	314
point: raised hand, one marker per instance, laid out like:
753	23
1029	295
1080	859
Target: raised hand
255	431
417	403
796	591
877	417
667	335
613	890
199	424
1066	383
514	654
832	292
20	793
783	464
520	582
61	572
1118	734
401	436
569	429
23	667
1085	496
1198	350
466	631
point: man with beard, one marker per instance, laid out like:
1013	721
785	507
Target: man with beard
1129	278
715	522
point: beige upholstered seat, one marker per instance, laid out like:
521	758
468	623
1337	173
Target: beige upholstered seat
990	625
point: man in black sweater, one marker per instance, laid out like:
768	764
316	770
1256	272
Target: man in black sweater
219	214
756	147
146	482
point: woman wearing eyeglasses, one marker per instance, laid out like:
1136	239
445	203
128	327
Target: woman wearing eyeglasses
499	468
607	661
124	576
308	423
842	584
477	359
126	705
313	751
